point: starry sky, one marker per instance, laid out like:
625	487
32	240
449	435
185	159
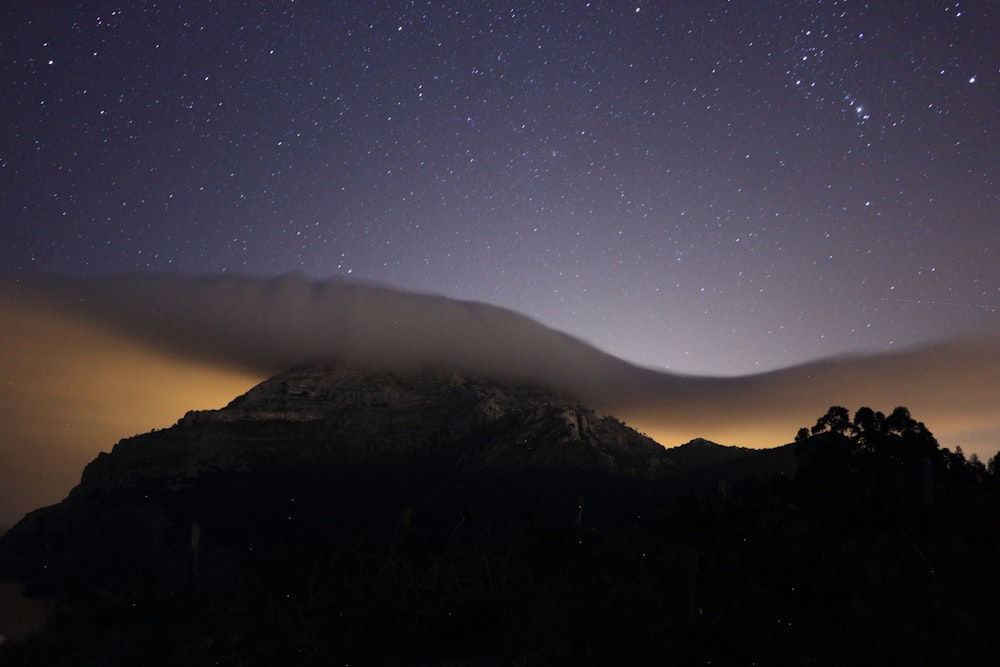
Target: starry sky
708	187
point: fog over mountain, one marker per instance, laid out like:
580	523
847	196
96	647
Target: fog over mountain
89	361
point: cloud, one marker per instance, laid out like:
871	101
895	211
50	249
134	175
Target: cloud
89	361
953	387
71	387
267	326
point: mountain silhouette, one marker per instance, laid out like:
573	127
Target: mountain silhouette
430	517
326	455
314	428
101	357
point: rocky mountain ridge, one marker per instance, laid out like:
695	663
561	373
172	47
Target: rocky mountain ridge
325	437
326	466
338	516
337	416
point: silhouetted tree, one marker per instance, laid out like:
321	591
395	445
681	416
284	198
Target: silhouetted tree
868	428
836	420
993	466
977	467
892	456
900	421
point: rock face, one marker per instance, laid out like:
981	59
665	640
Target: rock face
337	517
324	415
334	516
315	449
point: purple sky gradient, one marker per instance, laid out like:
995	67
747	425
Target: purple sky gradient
706	187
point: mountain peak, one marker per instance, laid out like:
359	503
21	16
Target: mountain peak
702	443
699	453
331	416
323	391
329	466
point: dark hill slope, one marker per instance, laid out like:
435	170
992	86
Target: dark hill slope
320	452
336	517
327	415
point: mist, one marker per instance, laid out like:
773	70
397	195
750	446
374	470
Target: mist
87	362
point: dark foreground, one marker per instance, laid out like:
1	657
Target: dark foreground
497	572
864	544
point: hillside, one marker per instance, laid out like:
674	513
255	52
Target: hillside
331	515
322	437
101	357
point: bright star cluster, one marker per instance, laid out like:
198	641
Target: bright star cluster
709	187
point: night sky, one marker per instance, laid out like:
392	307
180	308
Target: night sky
706	187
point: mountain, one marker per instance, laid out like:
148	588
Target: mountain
322	457
99	357
322	437
699	453
330	416
337	516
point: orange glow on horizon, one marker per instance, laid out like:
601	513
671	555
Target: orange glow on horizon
70	389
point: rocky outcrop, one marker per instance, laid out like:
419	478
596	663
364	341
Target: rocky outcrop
339	504
330	416
322	437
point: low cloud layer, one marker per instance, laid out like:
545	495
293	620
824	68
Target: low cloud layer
87	362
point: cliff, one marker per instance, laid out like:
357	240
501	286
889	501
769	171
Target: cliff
315	450
328	416
332	516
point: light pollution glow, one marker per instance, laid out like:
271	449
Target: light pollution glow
86	363
73	388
